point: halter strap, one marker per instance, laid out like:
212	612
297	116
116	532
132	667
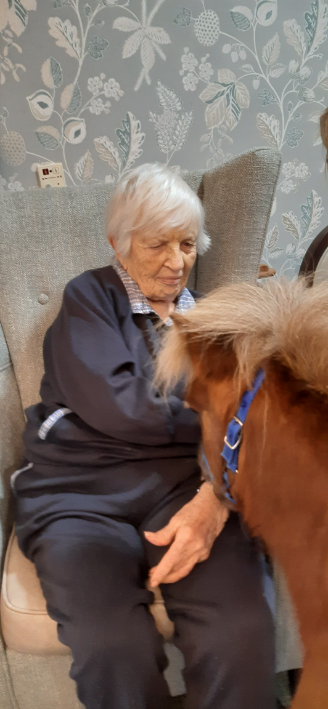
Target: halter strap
234	433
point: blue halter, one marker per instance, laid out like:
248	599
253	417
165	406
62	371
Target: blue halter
234	434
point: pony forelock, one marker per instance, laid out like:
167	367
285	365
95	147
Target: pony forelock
173	362
284	321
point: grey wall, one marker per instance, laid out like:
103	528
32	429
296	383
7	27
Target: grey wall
108	84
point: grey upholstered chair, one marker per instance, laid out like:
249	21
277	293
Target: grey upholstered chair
46	238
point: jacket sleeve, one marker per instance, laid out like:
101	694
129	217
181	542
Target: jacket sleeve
92	372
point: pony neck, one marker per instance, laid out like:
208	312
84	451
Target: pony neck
283	458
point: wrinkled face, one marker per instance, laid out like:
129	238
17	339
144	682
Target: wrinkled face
212	393
160	264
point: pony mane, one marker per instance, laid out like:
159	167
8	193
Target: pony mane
282	320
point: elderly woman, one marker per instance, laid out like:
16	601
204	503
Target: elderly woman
112	492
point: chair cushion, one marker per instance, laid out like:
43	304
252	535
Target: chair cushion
26	625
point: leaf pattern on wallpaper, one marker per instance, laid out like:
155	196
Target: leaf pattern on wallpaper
66	36
130	140
271	51
224	100
301	230
292	224
49	137
270	248
171	126
132	44
316	25
144	36
323	79
51	72
269	126
75	101
242	17
83	168
13	20
277	71
311	214
295	36
108	152
15	14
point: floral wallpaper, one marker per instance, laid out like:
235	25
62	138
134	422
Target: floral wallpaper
104	85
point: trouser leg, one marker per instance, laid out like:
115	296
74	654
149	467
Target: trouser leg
223	625
93	577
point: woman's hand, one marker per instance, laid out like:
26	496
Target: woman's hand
191	533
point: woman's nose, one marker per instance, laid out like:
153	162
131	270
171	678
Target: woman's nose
174	259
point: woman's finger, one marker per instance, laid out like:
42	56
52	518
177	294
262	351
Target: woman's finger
161	538
160	573
177	554
177	574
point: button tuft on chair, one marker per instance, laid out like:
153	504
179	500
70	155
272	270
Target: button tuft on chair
43	298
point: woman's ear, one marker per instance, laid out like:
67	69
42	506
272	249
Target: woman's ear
118	255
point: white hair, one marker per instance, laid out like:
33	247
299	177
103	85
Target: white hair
152	198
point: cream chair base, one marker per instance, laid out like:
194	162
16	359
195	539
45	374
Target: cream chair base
26	625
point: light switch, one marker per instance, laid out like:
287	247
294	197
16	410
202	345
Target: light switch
51	175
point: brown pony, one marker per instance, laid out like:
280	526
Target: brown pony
281	488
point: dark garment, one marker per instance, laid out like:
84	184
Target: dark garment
98	360
123	462
93	566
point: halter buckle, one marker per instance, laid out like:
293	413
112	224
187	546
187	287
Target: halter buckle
235	445
232	448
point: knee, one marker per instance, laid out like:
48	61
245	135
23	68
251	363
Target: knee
104	647
249	636
239	633
57	558
112	633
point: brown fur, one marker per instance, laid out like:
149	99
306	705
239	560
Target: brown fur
324	130
282	485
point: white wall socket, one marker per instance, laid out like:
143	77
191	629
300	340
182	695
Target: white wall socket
51	175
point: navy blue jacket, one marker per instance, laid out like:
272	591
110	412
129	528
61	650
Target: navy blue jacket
98	361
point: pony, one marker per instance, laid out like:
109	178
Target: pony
281	488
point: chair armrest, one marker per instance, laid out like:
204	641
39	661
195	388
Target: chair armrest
12	424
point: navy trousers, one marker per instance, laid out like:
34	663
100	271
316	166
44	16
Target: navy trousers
93	566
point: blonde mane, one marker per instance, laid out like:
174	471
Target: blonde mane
283	320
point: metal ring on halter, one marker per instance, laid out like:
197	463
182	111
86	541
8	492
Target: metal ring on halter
235	418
